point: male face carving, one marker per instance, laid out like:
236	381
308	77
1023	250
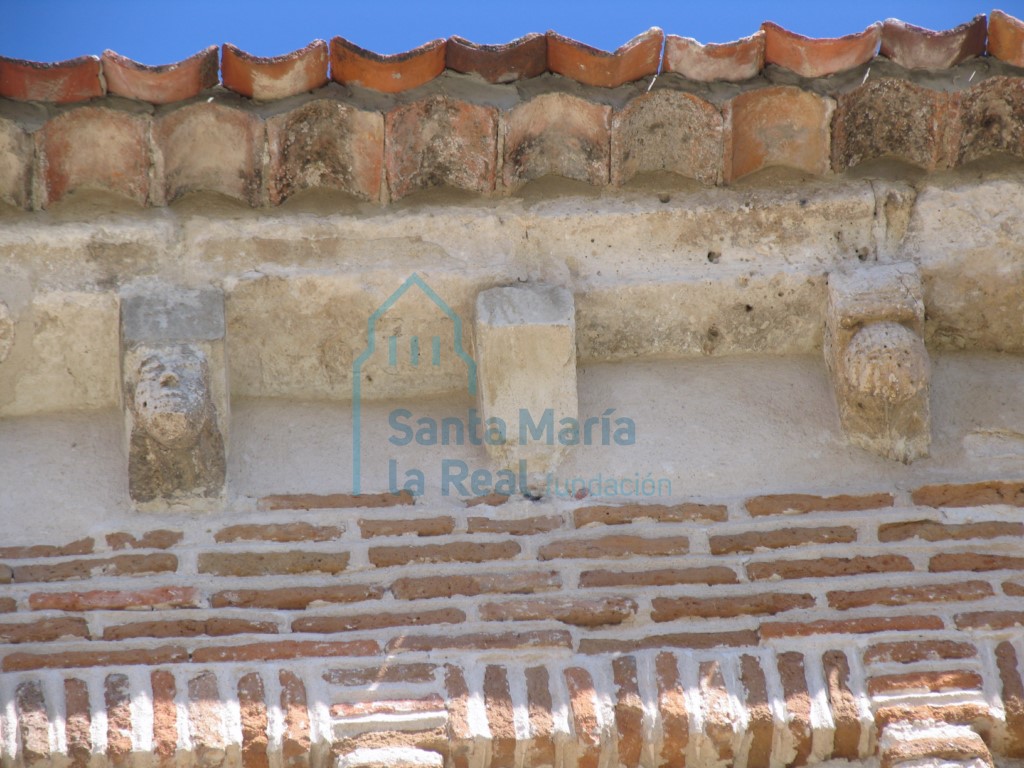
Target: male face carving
171	401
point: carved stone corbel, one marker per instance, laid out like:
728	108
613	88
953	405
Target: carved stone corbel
874	350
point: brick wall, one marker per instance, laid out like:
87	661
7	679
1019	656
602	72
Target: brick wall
761	631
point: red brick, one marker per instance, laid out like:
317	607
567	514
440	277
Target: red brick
615	546
118	565
779	538
455	552
541	749
660	577
188	628
802	503
206	146
61	82
526	526
33	722
294	598
160	539
718	715
695	640
458	706
970	494
661	513
959	746
500	718
992	123
580	612
165	714
368	621
43	630
934	682
284	649
843	704
253	706
868	625
509	583
969	561
668	131
206	719
828	567
798	704
274	77
672	608
335	501
990	620
733	62
424	526
910	651
1013	697
118	699
1006	38
490	500
389	673
675	720
8	605
95	148
167	654
819	57
79	547
933	530
325	144
482	641
440	140
269	563
776	126
892	117
583	709
629	710
115	600
557	134
931	593
634	60
431	703
280	532
1013	588
967	713
162	84
295	739
78	722
761	723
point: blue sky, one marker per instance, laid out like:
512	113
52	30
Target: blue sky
163	31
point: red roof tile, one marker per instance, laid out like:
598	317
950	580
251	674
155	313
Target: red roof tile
739	60
818	57
918	48
398	72
61	81
524	57
275	77
1006	38
591	66
162	84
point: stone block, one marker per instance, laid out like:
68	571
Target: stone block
875	352
175	395
526	367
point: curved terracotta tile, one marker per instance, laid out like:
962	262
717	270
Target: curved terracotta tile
161	84
591	66
777	126
524	57
667	130
992	119
891	117
274	77
61	82
735	61
395	73
819	57
919	48
1006	38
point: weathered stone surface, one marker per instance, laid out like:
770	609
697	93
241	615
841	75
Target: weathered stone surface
526	362
16	151
667	131
325	144
992	119
879	366
6	331
441	140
